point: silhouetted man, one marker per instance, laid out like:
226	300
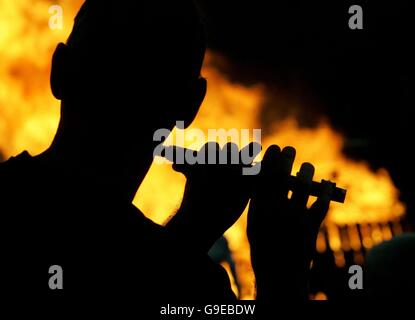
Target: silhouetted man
128	69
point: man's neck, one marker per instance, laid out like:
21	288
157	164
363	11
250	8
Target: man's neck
122	178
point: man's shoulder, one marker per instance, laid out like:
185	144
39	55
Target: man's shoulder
14	165
13	174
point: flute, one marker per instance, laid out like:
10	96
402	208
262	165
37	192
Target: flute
316	188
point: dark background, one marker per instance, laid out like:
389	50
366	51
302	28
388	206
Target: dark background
359	79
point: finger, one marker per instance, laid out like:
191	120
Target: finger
211	152
287	160
262	205
230	167
229	154
319	209
283	168
246	156
269	168
249	153
263	185
182	168
271	156
301	190
176	155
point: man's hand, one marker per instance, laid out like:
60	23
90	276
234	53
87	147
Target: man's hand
214	198
282	231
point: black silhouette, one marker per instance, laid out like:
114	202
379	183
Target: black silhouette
127	70
214	198
389	270
284	226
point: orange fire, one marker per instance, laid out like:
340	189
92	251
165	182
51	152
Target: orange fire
29	116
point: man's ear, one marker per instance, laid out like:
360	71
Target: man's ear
197	95
59	71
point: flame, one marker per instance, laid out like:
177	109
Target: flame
29	116
28	112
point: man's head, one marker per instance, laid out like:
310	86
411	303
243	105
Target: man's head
128	68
